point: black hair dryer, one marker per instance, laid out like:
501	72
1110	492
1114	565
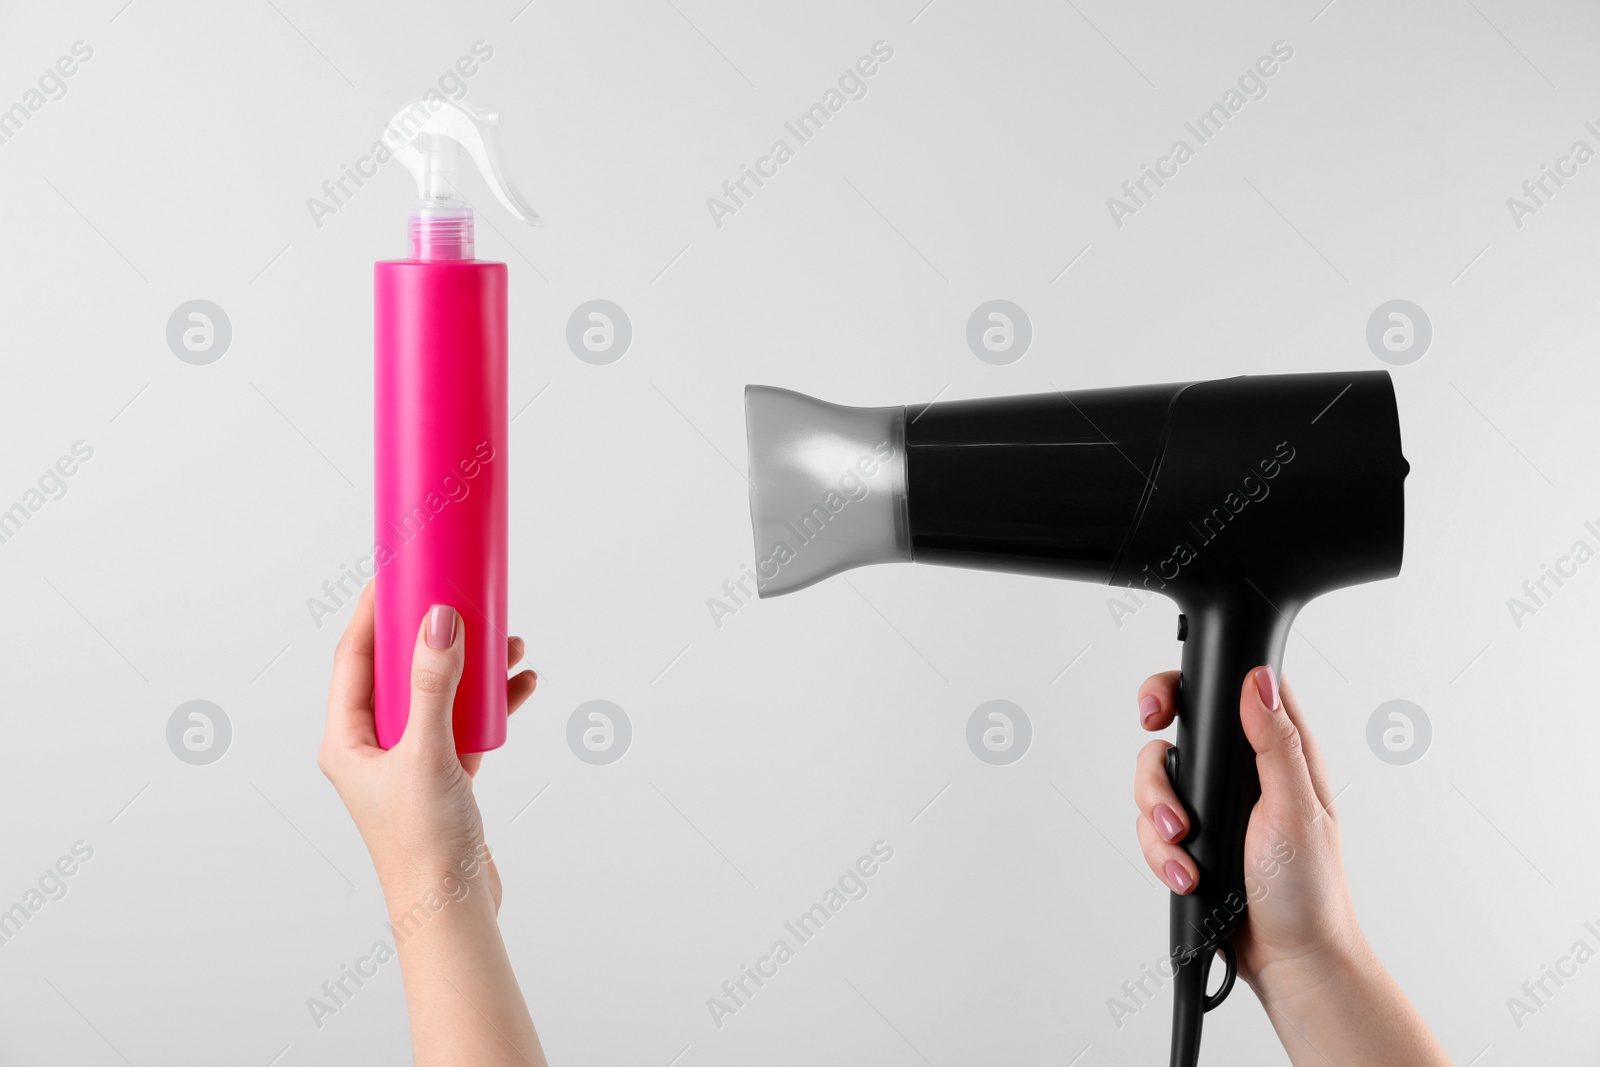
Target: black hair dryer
1241	499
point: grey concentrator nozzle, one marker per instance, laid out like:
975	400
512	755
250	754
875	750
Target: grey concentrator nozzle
827	487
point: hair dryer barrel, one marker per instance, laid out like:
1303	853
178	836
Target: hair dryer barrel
1049	484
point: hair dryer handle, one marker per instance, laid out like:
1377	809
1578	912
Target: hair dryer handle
1213	770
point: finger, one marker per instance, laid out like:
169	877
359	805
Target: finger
1158	700
1170	862
436	664
515	647
518	689
1153	792
1319	770
350	692
1278	744
470	762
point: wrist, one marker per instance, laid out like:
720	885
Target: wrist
419	893
417	903
1340	962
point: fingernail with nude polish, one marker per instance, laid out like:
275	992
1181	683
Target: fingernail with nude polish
441	629
1149	707
1167	823
1177	877
1267	686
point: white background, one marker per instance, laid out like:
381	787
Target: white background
770	753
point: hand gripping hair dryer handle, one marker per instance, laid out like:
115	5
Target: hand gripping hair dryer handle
1270	491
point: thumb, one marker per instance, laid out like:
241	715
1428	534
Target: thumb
436	665
1280	750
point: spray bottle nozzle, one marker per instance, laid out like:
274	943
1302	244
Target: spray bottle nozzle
433	134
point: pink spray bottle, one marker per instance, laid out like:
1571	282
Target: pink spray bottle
440	420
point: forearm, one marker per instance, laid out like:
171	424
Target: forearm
1346	1010
461	992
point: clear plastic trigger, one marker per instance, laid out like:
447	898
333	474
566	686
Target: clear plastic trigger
433	135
